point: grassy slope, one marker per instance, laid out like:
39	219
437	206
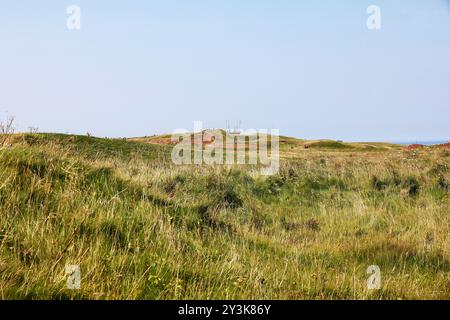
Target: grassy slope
293	147
142	228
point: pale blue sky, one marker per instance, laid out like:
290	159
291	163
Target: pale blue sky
309	68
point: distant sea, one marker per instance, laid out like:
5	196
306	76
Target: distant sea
425	143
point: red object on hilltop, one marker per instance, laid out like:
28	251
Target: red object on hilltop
420	146
445	145
415	146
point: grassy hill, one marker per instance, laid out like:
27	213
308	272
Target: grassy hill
143	228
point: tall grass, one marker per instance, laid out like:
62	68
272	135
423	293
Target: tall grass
142	228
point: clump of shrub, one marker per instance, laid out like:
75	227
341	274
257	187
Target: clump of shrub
230	199
312	224
289	226
31	139
224	194
275	184
439	169
410	185
443	183
378	184
270	186
208	218
171	185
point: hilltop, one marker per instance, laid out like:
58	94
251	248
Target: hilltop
288	144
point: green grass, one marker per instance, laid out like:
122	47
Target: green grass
91	147
330	145
142	228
